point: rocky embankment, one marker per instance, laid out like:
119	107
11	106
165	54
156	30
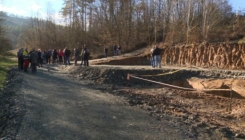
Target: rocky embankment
223	56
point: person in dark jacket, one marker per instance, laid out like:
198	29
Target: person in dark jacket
40	59
67	56
86	55
115	49
54	56
106	51
157	56
48	56
20	59
34	61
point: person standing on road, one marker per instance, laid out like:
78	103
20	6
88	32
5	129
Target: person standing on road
43	56
115	49
86	55
26	59
20	59
157	56
54	56
67	56
40	59
76	53
106	51
119	50
82	56
48	56
152	57
34	61
61	55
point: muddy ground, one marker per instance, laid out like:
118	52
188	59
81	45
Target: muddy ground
191	114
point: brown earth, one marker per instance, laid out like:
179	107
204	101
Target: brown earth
222	55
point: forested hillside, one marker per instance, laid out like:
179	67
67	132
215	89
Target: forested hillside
14	26
130	23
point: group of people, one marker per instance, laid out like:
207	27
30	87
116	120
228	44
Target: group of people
116	50
56	56
156	56
38	57
25	57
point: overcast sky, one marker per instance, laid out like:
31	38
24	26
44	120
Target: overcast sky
39	8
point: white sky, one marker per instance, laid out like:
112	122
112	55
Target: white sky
39	8
32	8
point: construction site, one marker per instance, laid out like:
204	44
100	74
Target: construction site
198	94
203	86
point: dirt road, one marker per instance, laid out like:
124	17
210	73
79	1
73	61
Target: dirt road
60	107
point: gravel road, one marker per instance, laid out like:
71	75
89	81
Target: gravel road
60	107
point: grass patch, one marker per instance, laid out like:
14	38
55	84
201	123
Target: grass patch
6	62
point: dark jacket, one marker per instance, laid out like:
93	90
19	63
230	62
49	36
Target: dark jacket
34	57
86	53
55	54
76	52
157	51
39	55
67	53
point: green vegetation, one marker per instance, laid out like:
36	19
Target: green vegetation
6	62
